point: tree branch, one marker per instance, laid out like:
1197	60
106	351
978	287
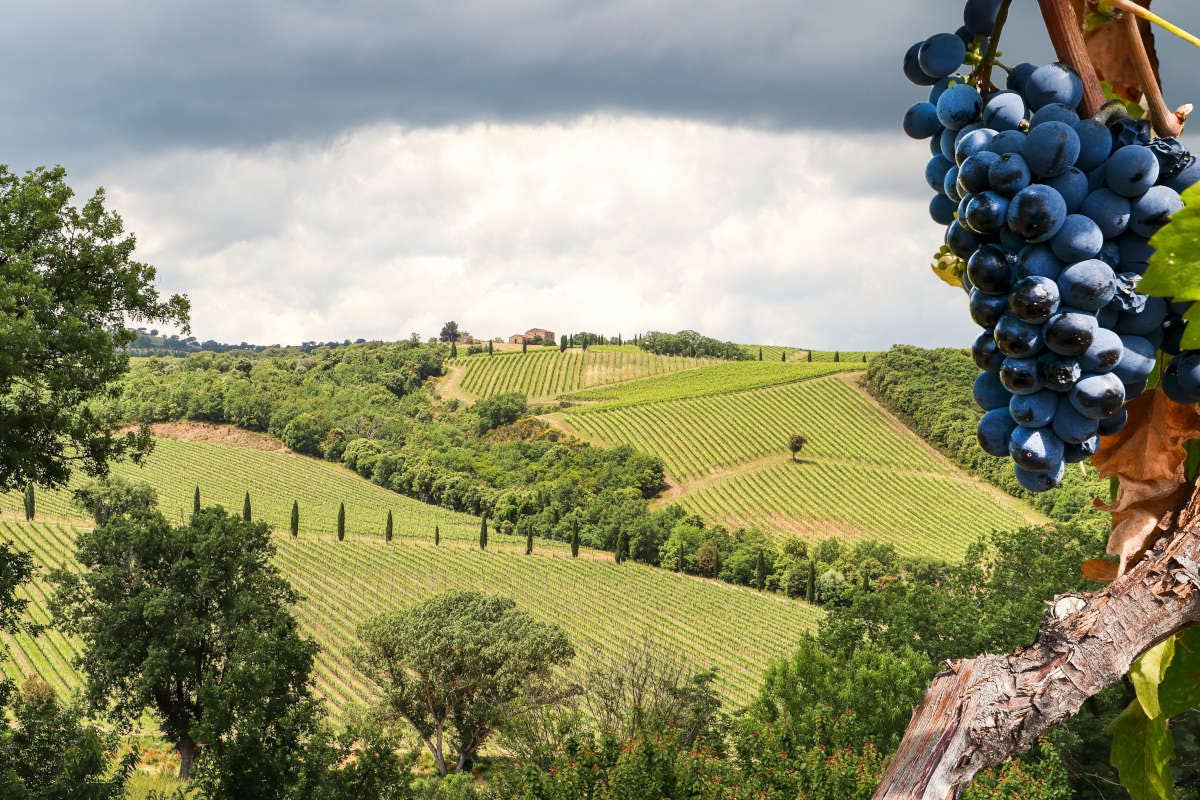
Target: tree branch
1066	34
979	711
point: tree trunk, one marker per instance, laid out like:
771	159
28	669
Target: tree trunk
187	757
979	711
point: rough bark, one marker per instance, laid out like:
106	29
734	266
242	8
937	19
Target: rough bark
979	711
1066	34
187	757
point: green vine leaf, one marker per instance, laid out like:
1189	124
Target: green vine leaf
1142	751
1147	673
1175	266
1179	690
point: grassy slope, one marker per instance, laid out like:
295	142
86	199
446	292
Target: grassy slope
604	607
863	474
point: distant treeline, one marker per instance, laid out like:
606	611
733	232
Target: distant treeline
690	344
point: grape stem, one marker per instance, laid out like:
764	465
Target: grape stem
989	58
1066	34
1164	121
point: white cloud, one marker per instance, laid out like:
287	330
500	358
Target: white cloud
604	223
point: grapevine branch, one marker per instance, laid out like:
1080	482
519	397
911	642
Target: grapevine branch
1066	34
979	711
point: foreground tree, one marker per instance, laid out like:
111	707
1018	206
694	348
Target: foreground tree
63	342
452	665
795	444
449	332
193	623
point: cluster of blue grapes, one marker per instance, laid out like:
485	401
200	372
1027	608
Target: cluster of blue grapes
1052	215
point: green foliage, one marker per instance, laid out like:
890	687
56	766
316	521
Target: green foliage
690	344
294	523
931	391
449	332
246	512
452	665
1142	752
341	522
501	409
196	501
217	662
68	287
387	528
29	502
1175	265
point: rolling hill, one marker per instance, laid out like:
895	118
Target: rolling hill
606	608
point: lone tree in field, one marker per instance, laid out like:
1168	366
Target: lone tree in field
760	354
437	536
837	357
622	546
524	346
562	343
528	539
783	356
29	500
795	444
810	356
70	293
294	526
454	666
196	501
219	663
387	528
491	350
341	521
449	332
575	540
246	515
483	532
454	350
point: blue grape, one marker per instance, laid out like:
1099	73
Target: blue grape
1053	83
1079	239
1006	142
1187	177
1004	111
989	392
1087	285
935	172
1019	375
987	356
1098	396
972	142
941	54
1069	333
1153	210
1104	353
912	67
1018	76
941	209
961	241
950	184
1071	426
973	173
958	107
1033	410
1058	373
1034	299
946	144
1075	453
945	83
1114	424
961	208
1055	112
987	309
1037	212
1135	253
1095	144
1010	174
1016	338
1073	186
990	270
1051	148
1110	254
1038	260
921	121
1126	131
995	428
1035	449
1137	360
1131	171
1041	481
1109	210
987	212
1145	321
979	16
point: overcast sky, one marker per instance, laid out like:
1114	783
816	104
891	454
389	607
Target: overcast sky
314	169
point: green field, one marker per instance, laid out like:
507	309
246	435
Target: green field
863	474
730	376
773	352
546	374
605	607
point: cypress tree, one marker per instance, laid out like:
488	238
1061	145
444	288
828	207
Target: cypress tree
760	354
836	356
529	540
30	503
866	582
490	351
562	343
454	350
810	593
196	501
681	558
387	529
760	571
524	346
864	358
575	541
620	341
341	521
295	518
810	355
483	532
246	515
783	355
437	536
622	544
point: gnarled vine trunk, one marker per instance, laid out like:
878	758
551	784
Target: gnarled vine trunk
977	712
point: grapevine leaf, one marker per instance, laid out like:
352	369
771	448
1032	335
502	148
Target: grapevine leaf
1180	687
1175	266
1112	57
1142	751
1191	334
1147	456
1147	673
1100	570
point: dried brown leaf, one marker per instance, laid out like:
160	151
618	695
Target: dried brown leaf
1110	54
1147	456
1100	570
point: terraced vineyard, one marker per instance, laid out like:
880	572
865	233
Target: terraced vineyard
863	474
713	379
606	608
546	374
274	479
772	352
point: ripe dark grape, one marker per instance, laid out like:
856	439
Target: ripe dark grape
986	354
1033	410
991	270
1098	396
1051	148
1058	373
1017	338
1070	333
1019	375
1037	212
1035	449
1034	299
994	431
1088	285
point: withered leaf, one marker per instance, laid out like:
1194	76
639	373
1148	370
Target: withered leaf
1147	456
1100	570
1110	53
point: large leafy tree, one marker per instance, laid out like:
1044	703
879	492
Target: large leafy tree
452	666
68	288
194	623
